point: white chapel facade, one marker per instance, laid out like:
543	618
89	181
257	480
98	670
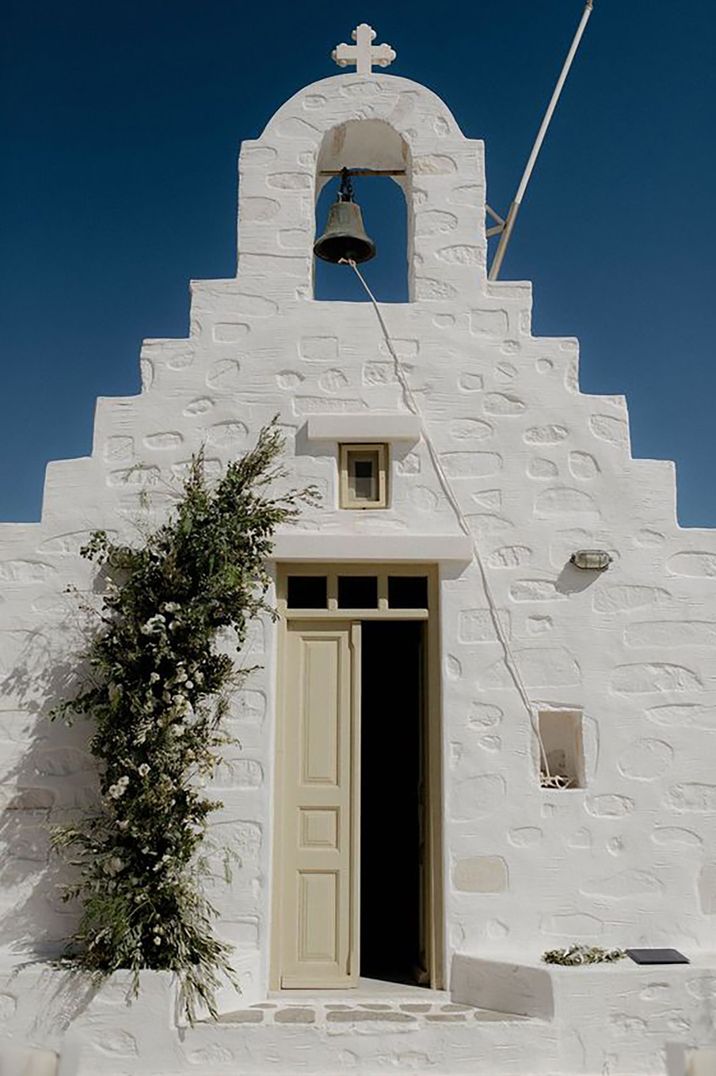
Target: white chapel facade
388	798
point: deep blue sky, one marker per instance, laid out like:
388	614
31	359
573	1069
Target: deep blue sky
120	125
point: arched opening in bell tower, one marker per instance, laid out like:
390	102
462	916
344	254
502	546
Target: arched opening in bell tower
378	160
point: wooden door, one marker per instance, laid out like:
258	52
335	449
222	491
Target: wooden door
319	935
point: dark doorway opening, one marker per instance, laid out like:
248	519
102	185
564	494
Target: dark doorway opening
392	838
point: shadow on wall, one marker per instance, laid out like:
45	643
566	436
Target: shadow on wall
48	777
573	580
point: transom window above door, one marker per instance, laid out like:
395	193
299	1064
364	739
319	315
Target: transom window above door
368	589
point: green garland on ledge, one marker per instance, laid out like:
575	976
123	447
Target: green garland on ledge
577	954
156	692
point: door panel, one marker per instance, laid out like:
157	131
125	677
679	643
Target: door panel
318	917
320	684
318	936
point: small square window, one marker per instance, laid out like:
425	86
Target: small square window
357	592
363	473
407	591
307	592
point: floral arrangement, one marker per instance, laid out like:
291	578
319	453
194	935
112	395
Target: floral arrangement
576	954
554	780
156	691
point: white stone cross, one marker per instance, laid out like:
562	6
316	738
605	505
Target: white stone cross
363	54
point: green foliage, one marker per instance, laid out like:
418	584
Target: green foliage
156	692
577	954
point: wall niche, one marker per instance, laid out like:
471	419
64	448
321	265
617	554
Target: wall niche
563	745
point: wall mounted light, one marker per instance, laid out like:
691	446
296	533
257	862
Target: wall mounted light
591	560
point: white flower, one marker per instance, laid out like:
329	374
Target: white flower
115	791
171	607
114	865
124	780
154	677
144	769
155	625
157	940
189	685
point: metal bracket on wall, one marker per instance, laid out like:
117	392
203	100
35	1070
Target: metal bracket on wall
362	171
498	228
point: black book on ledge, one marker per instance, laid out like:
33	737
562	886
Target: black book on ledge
657	956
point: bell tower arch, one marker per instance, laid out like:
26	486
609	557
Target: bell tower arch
374	122
377	180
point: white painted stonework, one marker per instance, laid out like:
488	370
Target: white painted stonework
540	470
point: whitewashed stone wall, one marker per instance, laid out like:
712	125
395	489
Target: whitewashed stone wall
539	468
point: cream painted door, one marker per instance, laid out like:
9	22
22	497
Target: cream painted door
319	935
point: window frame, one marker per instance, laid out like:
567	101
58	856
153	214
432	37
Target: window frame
332	569
381	451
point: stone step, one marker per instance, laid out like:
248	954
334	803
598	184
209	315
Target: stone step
324	1040
363	1013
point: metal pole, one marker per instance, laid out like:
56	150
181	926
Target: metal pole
532	160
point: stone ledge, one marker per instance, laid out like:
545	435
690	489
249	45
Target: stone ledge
418	548
497	986
364	428
616	1007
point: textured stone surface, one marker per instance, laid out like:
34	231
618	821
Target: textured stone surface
609	805
707	888
244	1016
653	677
358	1016
480	874
295	1016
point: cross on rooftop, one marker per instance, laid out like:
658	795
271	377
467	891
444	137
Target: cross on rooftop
363	54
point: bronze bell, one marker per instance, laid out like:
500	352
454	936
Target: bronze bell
345	237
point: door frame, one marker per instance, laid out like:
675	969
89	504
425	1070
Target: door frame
434	887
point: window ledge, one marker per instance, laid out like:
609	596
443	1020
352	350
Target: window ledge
425	548
363	428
